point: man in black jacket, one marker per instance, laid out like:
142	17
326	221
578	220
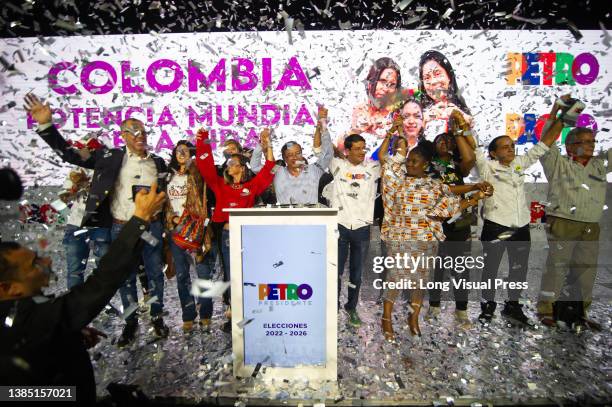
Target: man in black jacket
41	339
110	202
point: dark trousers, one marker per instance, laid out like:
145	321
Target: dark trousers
455	245
518	246
152	260
221	241
354	245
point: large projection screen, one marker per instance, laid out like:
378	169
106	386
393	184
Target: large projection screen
237	83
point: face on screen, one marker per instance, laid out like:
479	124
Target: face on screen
412	117
386	84
435	80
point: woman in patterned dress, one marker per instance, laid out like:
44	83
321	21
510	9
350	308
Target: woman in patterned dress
415	206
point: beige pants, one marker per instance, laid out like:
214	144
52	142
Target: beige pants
572	259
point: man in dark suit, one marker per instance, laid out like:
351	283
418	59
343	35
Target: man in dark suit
110	204
43	340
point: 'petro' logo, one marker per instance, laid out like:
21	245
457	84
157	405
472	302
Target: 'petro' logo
284	292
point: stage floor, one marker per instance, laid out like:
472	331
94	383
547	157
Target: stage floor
496	364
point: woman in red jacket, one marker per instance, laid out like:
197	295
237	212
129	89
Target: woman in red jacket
233	189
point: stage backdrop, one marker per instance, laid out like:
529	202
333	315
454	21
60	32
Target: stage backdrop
238	83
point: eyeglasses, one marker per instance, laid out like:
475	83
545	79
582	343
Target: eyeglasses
182	151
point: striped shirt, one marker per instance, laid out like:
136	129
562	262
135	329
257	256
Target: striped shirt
575	191
413	205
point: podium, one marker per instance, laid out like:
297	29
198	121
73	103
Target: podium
284	292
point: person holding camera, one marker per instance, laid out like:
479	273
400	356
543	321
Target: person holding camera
577	195
118	174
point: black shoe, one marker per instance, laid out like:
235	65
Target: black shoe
487	311
514	312
227	326
161	330
129	334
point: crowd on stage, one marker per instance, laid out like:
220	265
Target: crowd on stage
143	216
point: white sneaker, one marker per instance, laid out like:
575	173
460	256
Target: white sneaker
432	313
462	319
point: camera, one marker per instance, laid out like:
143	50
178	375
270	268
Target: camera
570	110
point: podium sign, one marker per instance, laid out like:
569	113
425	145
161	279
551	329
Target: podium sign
284	292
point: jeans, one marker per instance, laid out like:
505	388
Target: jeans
204	271
518	246
152	260
77	251
225	255
356	242
456	245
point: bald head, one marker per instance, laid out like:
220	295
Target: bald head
135	136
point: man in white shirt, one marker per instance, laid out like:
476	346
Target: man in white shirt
110	202
506	219
353	191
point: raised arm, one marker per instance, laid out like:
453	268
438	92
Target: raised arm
461	132
255	162
323	141
206	162
383	151
83	303
553	125
42	114
263	179
266	144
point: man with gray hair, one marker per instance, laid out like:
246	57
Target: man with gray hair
576	194
118	173
297	183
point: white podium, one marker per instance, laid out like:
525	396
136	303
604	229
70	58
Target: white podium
284	292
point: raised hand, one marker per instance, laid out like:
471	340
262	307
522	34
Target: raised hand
458	123
264	138
398	124
39	112
559	104
322	113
